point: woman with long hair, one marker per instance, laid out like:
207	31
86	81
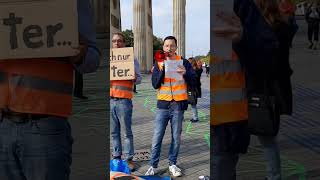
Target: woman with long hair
195	91
273	78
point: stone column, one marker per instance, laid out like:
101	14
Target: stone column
149	34
179	24
139	31
115	17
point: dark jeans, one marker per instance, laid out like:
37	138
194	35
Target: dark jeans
35	150
313	30
78	84
228	140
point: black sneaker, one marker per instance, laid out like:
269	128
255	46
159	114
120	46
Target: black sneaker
310	46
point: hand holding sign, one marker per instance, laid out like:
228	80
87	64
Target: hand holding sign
80	51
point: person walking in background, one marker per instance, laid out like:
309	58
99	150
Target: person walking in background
78	85
194	92
208	70
287	9
313	20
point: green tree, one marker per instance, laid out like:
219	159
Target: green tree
128	37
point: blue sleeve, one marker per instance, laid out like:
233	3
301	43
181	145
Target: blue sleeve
157	76
137	71
190	76
86	27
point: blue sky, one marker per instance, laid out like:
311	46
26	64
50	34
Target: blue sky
197	22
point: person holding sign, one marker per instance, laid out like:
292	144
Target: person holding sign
170	76
121	93
35	103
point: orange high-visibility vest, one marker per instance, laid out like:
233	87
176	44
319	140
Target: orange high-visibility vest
37	86
228	94
121	89
173	89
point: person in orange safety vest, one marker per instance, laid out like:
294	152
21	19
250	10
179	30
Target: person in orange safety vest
172	97
35	102
121	93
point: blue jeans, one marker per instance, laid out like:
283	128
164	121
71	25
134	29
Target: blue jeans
163	116
121	112
272	155
35	150
194	112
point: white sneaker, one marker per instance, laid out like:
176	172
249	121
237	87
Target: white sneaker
175	171
151	171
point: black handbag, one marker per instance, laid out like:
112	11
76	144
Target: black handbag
263	114
192	97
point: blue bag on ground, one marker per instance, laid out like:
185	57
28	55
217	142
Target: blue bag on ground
119	166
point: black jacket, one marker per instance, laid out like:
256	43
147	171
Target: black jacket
264	54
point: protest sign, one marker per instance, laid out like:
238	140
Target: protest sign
122	64
38	28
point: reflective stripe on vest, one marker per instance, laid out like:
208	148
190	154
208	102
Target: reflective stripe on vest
173	89
37	86
121	89
228	94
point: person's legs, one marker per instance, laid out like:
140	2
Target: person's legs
272	156
176	129
316	35
160	124
194	113
45	148
223	162
224	166
125	117
78	83
310	34
135	88
229	140
115	128
10	167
